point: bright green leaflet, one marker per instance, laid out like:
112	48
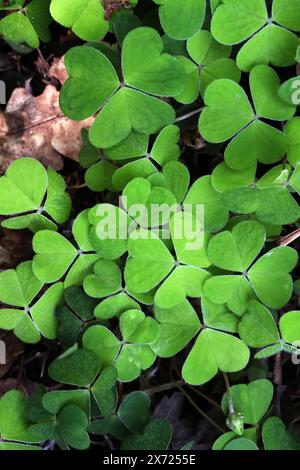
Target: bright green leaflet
289	325
228	437
55	255
181	19
271	201
135	110
134	354
150	262
13	421
84	17
178	326
252	400
29	317
24	28
236	251
212	60
276	436
291	131
214	350
164	150
269	40
29	195
257	327
203	193
228	114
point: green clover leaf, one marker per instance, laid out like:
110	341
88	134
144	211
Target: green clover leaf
178	25
68	428
53	402
236	251
219	317
231	436
257	327
131	356
178	326
55	255
270	199
104	391
233	117
28	318
289	325
214	350
115	305
99	387
103	218
13	420
105	280
79	368
72	317
276	437
106	283
158	203
140	160
84	17
224	178
72	426
83	63
24	28
92	73
142	53
215	213
150	262
240	250
236	21
211	62
134	411
33	197
272	270
156	436
252	401
291	130
241	444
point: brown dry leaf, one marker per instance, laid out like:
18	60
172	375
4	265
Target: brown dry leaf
14	347
58	70
35	127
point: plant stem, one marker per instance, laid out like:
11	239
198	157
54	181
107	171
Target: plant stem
77	186
188	115
229	394
164	387
277	380
284	241
201	412
205	397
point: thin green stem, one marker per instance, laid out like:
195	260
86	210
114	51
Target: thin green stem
188	115
201	412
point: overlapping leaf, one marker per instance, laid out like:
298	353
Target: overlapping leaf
92	73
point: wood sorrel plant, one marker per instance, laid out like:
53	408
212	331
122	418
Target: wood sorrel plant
222	71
